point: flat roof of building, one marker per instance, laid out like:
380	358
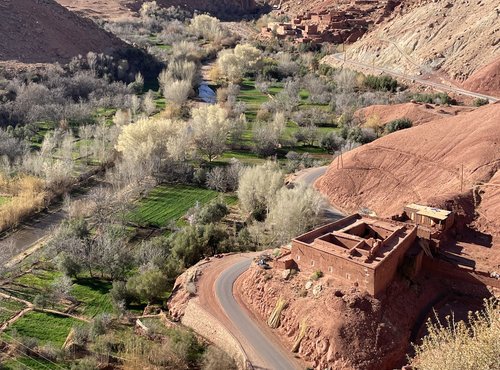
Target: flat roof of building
436	213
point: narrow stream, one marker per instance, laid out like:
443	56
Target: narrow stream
206	93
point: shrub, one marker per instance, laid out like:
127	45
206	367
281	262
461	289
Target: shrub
41	300
68	266
80	334
437	98
381	83
258	186
207	27
149	285
307	134
398	124
210	127
119	293
332	143
87	363
177	92
460	346
100	324
326	70
192	243
49	352
479	102
316	275
213	212
267	135
293	212
216	359
185	345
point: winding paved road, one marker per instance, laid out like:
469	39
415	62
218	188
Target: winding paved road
309	177
271	354
439	86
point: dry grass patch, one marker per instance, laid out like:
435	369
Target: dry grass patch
461	346
27	195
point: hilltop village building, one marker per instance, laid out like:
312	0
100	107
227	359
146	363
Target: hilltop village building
365	251
356	249
344	25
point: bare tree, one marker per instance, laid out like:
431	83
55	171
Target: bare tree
258	186
346	80
267	134
148	103
210	126
177	92
86	133
293	212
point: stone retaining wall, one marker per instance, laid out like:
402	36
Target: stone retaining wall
210	328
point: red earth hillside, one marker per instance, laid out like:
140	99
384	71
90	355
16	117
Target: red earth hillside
486	80
420	164
42	31
418	113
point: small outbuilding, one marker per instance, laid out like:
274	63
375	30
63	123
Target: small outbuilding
429	216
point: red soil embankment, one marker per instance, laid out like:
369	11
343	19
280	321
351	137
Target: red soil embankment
344	327
416	112
486	80
420	164
42	31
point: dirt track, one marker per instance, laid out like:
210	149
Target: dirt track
339	59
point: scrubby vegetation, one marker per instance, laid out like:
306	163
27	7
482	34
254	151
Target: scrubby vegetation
479	102
459	345
382	83
437	98
398	124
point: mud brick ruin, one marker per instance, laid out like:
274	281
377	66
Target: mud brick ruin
367	251
345	24
357	249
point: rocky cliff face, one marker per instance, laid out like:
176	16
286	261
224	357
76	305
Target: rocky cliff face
454	38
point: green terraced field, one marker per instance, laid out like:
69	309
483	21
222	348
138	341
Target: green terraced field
45	327
9	308
24	362
93	293
253	98
29	285
167	203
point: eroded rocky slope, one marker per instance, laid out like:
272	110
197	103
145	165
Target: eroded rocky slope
343	327
455	38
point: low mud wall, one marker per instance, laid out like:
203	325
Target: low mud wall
455	272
